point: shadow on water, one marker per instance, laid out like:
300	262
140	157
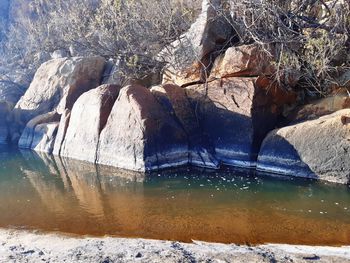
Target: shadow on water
48	193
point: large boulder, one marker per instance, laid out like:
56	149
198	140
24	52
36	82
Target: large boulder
236	114
140	135
40	133
57	84
191	57
316	149
174	100
88	117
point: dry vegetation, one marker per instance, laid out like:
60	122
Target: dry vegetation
310	38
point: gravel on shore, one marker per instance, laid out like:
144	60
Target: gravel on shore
25	246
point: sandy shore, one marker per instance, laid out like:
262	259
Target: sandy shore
24	246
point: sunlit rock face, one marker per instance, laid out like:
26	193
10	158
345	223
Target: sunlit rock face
88	117
320	107
140	134
192	56
243	61
316	149
57	85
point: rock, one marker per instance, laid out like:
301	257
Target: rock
4	117
192	56
236	114
57	84
61	53
114	73
44	137
344	79
120	73
316	149
39	134
88	118
41	57
243	61
140	135
174	100
61	133
321	107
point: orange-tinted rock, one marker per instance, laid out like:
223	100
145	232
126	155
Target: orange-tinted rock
243	61
191	57
321	107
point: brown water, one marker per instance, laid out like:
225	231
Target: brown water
53	194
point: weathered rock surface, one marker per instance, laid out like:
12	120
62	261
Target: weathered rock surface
316	149
243	61
4	117
321	107
57	84
114	73
174	100
40	132
60	53
140	135
236	114
88	117
192	56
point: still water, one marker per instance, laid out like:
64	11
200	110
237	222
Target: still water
53	194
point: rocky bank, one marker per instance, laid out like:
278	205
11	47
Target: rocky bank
217	105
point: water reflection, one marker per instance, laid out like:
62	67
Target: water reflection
39	191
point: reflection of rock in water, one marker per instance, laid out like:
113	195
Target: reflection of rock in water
114	197
49	194
41	162
86	186
39	170
111	177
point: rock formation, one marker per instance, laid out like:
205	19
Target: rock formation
88	117
40	133
317	149
191	57
140	135
57	84
217	104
